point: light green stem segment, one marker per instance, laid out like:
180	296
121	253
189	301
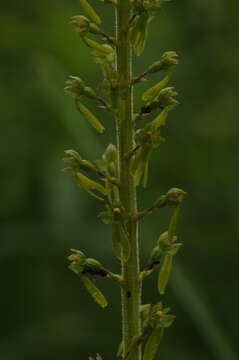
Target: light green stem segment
131	291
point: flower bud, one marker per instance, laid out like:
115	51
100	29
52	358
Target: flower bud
77	256
94	267
163	242
167	62
77	259
110	154
175	196
74	157
112	169
75	86
165	98
81	24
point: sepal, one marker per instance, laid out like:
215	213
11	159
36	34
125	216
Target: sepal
77	163
167	62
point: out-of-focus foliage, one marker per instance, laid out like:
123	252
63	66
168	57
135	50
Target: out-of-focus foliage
44	311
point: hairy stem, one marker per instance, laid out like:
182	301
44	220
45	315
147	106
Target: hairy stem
131	290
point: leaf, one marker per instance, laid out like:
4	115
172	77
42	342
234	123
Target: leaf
89	185
90	11
120	242
164	273
110	154
153	343
173	224
98	357
90	117
152	93
94	291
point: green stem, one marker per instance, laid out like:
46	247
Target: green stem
131	289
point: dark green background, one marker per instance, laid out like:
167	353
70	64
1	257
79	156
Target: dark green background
45	312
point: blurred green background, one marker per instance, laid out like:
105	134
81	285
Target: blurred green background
45	312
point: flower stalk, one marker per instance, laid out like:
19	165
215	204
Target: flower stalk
113	178
131	291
